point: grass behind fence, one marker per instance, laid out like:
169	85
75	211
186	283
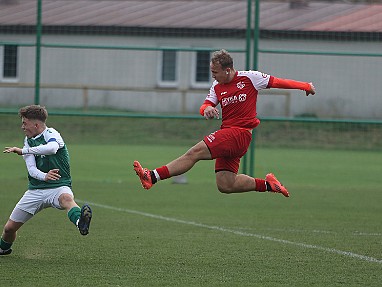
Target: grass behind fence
176	131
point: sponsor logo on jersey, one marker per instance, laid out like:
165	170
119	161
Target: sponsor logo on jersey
264	75
223	93
233	99
242	97
240	85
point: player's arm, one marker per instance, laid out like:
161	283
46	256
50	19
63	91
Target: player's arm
280	83
47	149
14	149
51	147
34	172
209	110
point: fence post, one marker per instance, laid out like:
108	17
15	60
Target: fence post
256	36
247	61
38	52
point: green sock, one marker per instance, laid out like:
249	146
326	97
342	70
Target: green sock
74	214
5	245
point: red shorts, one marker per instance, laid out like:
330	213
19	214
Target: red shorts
227	146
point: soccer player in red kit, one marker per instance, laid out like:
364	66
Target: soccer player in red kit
236	92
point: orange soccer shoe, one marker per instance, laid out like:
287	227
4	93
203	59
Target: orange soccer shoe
275	185
144	175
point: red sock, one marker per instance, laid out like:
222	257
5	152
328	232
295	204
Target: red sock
260	185
163	172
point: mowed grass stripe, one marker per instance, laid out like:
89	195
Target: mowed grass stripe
236	232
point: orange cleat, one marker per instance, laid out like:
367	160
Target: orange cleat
275	185
144	175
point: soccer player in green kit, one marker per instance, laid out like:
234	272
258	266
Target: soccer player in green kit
47	161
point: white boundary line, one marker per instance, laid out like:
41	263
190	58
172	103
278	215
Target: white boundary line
240	233
354	233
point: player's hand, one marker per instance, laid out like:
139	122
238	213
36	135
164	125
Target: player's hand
14	149
312	90
211	112
53	174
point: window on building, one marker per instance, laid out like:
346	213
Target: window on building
10	61
202	72
168	70
169	66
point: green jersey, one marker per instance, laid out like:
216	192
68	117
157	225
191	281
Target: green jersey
45	163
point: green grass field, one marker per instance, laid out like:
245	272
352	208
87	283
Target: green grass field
328	233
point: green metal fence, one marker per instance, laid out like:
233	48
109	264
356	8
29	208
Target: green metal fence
99	74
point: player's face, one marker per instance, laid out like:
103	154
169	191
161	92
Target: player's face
219	74
30	127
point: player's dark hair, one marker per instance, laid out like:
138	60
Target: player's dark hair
223	58
34	112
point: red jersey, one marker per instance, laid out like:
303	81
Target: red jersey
238	98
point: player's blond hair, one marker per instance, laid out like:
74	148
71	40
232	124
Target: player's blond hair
34	112
223	58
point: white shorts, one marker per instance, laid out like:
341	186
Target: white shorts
36	200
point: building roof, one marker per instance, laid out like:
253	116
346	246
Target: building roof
195	14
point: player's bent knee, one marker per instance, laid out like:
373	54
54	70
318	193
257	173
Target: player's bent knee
225	181
224	189
65	198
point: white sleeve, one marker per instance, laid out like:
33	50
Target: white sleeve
32	168
259	80
47	149
212	97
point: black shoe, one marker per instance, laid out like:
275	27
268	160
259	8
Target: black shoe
5	252
84	221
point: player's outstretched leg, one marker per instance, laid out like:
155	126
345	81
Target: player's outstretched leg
85	218
275	185
144	175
